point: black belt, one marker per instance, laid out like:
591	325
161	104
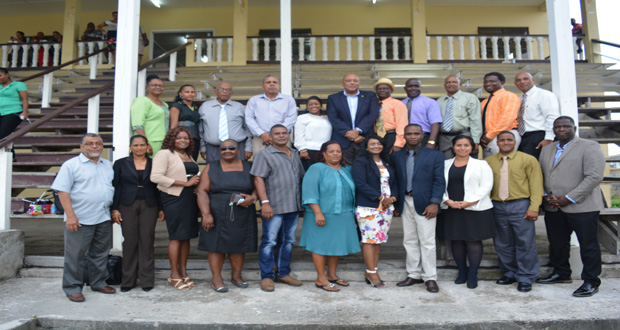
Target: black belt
392	131
455	133
410	194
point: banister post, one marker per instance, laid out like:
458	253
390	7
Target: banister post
6	181
172	73
47	90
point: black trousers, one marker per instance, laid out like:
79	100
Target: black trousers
306	163
350	153
529	142
560	226
8	124
138	226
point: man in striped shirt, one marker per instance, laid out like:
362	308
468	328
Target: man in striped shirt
499	113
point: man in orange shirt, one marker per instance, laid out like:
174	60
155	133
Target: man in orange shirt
499	113
392	116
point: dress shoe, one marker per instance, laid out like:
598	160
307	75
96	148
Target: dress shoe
147	289
431	286
106	289
524	287
266	285
288	279
553	279
126	289
76	297
409	281
587	289
505	280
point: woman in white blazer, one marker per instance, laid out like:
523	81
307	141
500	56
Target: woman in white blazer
466	218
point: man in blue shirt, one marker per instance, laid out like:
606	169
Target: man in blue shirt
84	185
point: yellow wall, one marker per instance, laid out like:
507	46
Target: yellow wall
322	20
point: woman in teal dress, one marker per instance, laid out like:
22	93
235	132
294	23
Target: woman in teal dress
328	195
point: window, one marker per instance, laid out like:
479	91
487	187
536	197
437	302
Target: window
505	31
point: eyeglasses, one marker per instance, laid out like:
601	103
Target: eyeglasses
233	148
156	85
224	90
93	144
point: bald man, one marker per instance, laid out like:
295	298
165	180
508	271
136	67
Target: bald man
539	108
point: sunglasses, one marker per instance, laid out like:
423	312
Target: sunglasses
228	148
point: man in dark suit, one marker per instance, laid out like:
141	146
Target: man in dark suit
420	173
353	114
572	170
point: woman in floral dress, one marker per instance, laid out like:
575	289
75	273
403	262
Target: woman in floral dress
375	180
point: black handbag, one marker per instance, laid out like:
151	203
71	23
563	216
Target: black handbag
115	270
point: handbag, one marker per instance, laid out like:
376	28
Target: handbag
115	270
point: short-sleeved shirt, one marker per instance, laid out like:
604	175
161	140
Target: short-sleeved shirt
282	177
424	112
153	118
189	117
90	187
10	101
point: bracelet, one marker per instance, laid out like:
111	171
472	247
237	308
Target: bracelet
382	198
265	201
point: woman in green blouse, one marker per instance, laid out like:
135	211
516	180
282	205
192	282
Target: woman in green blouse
13	103
183	113
150	116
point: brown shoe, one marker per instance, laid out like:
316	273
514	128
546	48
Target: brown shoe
266	285
288	279
431	286
76	297
106	289
409	281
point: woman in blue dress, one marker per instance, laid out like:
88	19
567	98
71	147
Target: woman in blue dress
329	231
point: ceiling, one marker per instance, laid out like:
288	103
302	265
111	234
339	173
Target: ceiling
20	7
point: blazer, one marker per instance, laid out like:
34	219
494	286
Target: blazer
126	182
167	168
340	117
367	180
429	183
577	173
478	183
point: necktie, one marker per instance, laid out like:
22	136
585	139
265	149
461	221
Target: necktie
380	125
484	113
520	122
410	165
503	180
409	110
447	118
223	127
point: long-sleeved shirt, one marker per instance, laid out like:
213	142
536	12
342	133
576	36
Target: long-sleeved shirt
541	109
525	178
210	124
394	114
312	131
501	114
261	113
466	113
424	112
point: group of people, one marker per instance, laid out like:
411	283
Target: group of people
373	157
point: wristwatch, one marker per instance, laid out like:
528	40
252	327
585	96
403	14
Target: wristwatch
431	142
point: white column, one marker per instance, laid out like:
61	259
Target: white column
6	181
46	96
172	70
472	47
450	47
229	42
483	48
81	51
14	59
286	53
541	50
219	41
461	42
518	49
506	46
336	48
92	122
25	48
313	49
46	54
93	65
300	48
438	44
428	48
125	76
530	51
562	61
395	54
35	55
360	48
383	48
254	49
495	49
141	90
5	55
101	45
348	44
371	48
324	41
279	49
198	50
210	50
266	49
408	48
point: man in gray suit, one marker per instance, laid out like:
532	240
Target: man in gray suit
572	170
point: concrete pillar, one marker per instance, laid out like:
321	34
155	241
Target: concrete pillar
286	51
6	181
70	30
125	76
240	32
562	62
590	29
418	31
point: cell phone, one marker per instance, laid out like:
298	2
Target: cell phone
235	199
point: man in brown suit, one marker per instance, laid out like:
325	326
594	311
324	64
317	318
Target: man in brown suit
572	170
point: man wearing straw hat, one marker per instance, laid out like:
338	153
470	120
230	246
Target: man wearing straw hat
392	116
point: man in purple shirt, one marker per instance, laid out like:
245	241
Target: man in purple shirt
423	111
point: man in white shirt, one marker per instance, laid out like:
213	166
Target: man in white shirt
539	108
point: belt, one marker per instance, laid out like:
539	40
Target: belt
392	131
455	133
410	194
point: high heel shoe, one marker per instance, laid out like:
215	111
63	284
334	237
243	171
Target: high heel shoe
378	285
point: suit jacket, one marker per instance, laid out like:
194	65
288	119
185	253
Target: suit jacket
429	183
126	182
167	168
478	183
340	117
577	173
367	180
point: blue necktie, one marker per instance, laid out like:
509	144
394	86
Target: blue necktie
410	165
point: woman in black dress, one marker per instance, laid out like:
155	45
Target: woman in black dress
228	223
466	218
183	113
135	208
176	175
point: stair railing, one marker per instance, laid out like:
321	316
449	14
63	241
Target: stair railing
608	44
